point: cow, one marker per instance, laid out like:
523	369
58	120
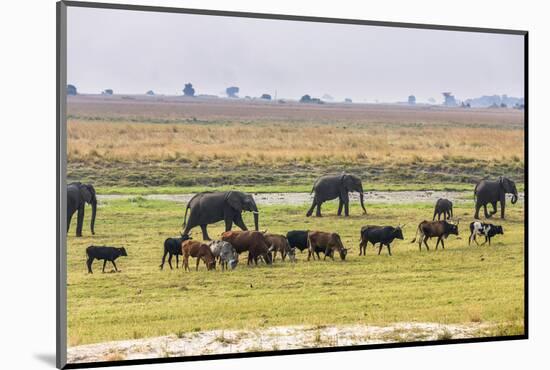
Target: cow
172	246
198	250
484	229
103	253
430	229
297	239
225	252
445	207
279	243
252	241
384	235
330	242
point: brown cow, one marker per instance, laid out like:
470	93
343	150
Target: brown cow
198	250
327	241
252	241
279	243
438	229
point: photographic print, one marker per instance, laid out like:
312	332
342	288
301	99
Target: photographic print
246	184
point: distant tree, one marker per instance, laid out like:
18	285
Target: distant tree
107	92
232	91
412	100
305	99
266	97
71	90
348	100
150	92
189	90
502	105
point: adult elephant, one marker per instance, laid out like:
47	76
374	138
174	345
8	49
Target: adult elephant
78	195
330	187
492	192
210	207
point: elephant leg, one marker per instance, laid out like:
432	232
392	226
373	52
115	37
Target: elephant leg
445	216
346	208
340	205
69	217
239	222
478	206
204	233
228	224
104	263
80	221
487	215
310	211
318	213
502	206
435	213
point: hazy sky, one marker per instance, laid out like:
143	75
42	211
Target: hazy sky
132	52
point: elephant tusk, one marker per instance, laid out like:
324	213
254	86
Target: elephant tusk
256	212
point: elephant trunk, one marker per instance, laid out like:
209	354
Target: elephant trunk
256	217
94	209
361	199
514	198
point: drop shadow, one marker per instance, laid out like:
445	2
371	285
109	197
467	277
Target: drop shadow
47	358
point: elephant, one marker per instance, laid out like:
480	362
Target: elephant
330	187
210	207
78	195
445	207
491	192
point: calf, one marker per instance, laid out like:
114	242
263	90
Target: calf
327	241
297	239
445	207
103	253
200	251
225	252
439	229
484	229
279	243
252	241
172	246
384	235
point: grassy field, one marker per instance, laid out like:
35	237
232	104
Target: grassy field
116	142
460	284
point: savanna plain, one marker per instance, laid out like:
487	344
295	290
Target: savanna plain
137	146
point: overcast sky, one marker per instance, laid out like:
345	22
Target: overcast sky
132	52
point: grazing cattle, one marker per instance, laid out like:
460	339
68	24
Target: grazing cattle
279	243
172	247
445	207
327	241
384	235
484	229
252	241
225	252
200	251
103	253
430	229
297	239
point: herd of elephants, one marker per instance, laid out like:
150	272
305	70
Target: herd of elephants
211	207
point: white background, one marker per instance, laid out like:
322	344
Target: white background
27	209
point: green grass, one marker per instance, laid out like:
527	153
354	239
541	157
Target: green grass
460	284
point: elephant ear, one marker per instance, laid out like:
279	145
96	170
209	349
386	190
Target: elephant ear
86	193
234	201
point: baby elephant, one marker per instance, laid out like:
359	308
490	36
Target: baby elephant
105	254
445	207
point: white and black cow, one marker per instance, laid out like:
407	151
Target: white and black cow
484	229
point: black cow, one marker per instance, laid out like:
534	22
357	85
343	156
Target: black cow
484	229
103	253
384	235
439	229
172	246
297	239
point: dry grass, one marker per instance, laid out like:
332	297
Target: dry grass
285	142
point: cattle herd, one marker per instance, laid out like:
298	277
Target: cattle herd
264	247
